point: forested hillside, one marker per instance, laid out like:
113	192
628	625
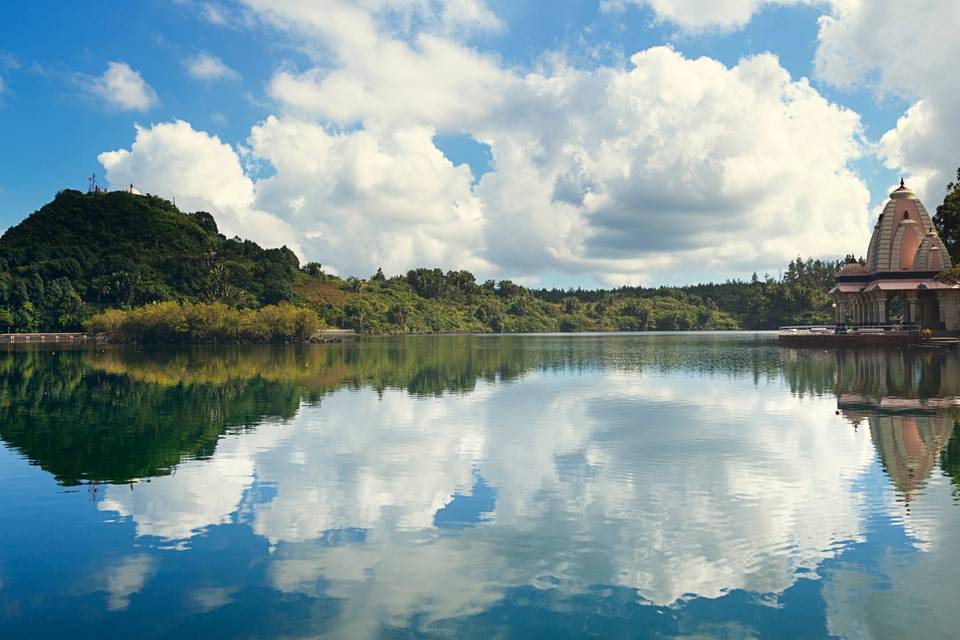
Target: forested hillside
798	296
84	254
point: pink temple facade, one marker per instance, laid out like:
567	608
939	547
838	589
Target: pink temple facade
897	284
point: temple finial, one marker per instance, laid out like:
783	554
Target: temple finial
901	183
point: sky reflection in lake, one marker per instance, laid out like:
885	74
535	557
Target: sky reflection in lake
647	486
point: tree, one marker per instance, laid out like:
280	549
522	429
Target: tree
947	219
571	305
313	269
398	314
462	281
508	289
354	314
429	283
6	319
378	276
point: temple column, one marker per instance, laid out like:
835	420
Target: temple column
913	304
881	307
949	309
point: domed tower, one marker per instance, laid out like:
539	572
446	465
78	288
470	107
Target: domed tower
897	283
904	238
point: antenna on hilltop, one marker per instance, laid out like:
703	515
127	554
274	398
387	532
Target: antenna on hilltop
93	187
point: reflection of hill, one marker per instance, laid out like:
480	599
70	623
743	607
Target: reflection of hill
113	415
423	367
902	396
433	365
81	424
119	414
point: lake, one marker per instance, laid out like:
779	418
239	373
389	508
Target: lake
569	486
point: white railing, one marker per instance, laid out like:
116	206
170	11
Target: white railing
874	328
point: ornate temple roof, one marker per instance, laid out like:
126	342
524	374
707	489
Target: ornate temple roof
904	238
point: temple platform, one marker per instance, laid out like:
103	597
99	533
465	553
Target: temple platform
875	335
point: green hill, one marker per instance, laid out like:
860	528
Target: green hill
84	252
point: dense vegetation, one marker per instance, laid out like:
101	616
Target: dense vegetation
215	322
80	258
947	219
798	296
431	301
85	252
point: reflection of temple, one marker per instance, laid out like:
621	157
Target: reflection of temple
909	447
897	283
902	396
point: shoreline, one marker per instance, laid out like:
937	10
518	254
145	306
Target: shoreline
337	336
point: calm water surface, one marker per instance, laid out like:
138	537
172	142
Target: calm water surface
488	487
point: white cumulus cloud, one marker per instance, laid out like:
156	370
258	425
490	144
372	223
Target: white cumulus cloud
696	15
209	68
124	88
904	50
355	20
900	50
362	201
667	166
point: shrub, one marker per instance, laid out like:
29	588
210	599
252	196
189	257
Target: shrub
215	322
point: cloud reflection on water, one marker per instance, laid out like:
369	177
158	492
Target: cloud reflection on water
679	473
673	485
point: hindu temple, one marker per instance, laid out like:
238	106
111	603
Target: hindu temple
897	285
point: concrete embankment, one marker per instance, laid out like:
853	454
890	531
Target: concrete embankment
66	338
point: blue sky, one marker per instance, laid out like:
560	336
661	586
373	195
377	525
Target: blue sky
57	116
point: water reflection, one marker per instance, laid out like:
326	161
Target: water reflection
909	400
516	486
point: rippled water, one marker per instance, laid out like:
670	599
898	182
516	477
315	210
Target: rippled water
541	486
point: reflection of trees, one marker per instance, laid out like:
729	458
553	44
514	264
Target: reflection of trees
808	371
81	424
950	458
113	415
433	365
